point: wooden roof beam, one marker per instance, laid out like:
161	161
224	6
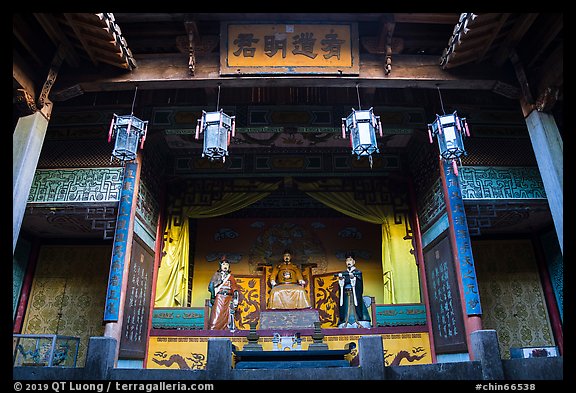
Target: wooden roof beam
80	35
50	26
491	37
420	17
553	29
519	29
22	32
552	71
171	72
21	74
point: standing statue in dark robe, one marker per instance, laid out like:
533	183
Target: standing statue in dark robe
223	297
353	312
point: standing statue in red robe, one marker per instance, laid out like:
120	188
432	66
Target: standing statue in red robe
223	297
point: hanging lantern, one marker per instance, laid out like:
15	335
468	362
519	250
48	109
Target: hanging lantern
450	130
361	126
218	128
129	131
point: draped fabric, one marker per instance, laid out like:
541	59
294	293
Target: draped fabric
400	272
288	297
172	283
230	202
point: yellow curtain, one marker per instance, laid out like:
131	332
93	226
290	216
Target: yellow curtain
172	283
231	202
401	283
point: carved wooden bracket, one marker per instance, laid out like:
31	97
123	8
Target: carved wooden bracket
25	102
385	40
192	31
547	99
51	78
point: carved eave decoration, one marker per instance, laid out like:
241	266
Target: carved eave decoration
530	42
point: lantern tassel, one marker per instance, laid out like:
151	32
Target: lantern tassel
111	129
202	121
144	135
430	134
197	129
466	128
455	167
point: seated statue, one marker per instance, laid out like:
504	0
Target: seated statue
287	286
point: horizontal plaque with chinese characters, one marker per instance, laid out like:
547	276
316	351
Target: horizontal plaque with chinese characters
290	48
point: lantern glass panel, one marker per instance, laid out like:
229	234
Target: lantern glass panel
217	125
363	115
212	117
450	139
361	126
126	143
366	134
215	141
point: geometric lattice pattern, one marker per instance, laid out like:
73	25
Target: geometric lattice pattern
76	154
501	183
431	205
76	185
499	152
68	293
511	294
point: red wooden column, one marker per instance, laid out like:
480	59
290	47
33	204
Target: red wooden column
121	252
421	269
462	252
549	297
162	218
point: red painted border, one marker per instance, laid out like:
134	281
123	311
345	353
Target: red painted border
422	268
550	298
26	287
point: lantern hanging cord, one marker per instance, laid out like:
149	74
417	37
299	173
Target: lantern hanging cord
218	100
358	94
134	101
441	103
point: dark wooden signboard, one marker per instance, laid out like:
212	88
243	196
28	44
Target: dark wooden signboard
137	303
445	305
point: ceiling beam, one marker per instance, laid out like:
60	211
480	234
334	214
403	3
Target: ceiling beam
433	18
21	74
492	36
419	17
22	31
52	29
513	37
71	21
171	72
542	42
